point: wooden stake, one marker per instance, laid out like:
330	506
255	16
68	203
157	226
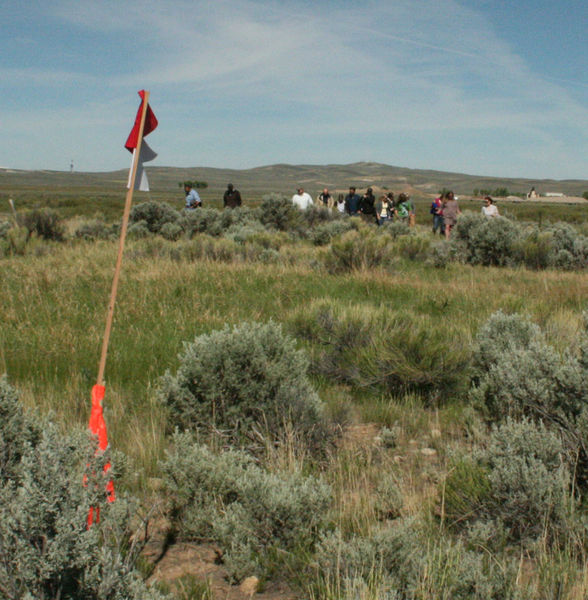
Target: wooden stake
123	235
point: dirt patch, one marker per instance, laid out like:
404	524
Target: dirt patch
176	562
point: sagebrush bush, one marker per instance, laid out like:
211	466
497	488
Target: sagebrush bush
4	227
358	250
325	232
380	348
517	374
47	550
96	230
278	212
517	489
171	231
154	214
395	229
487	241
412	247
255	516
203	220
138	230
247	381
45	222
245	232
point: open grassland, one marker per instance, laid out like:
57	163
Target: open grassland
400	430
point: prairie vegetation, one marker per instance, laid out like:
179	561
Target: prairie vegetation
432	436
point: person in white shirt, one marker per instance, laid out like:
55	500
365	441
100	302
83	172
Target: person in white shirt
489	209
301	199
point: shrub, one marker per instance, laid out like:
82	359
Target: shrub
516	374
278	211
534	249
517	489
440	255
138	230
254	516
400	562
17	238
315	215
45	222
395	229
412	247
96	230
356	250
203	220
243	233
246	380
171	231
154	214
4	228
487	241
324	233
47	550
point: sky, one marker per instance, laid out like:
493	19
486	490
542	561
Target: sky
484	87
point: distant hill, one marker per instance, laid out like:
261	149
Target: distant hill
285	178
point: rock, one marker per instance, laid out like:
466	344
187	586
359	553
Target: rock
249	585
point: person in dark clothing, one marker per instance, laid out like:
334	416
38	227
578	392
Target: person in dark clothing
367	206
232	197
352	201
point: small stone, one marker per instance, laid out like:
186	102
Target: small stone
428	451
249	585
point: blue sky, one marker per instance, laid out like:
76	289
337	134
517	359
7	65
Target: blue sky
478	86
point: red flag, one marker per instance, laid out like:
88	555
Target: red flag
97	427
150	125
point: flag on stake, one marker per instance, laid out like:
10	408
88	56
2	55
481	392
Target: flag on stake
150	124
146	154
145	123
97	427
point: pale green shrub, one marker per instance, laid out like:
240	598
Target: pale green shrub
487	241
395	229
96	230
245	381
203	220
138	230
46	549
325	232
171	231
256	517
514	490
278	212
358	249
516	374
154	214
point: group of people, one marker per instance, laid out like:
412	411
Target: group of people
231	197
444	208
445	211
380	210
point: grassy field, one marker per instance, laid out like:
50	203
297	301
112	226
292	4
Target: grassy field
53	304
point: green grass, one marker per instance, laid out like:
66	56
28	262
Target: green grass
53	303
